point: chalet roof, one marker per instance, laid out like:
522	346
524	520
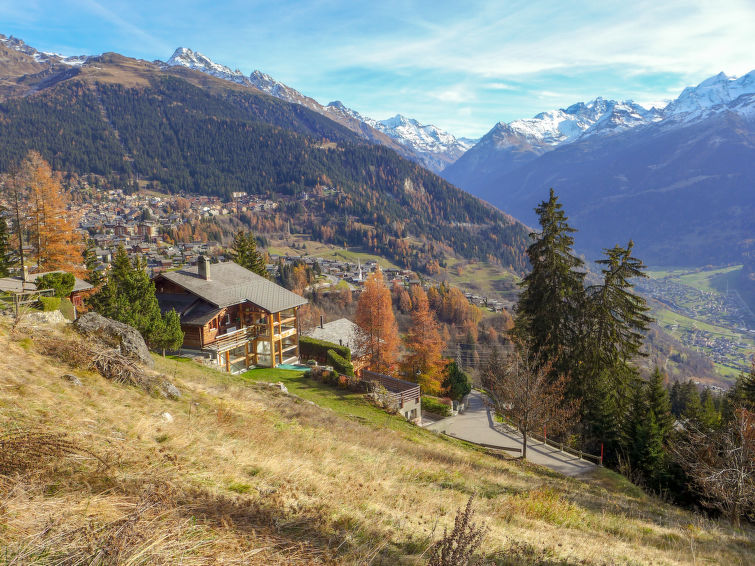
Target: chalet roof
17	284
231	284
341	331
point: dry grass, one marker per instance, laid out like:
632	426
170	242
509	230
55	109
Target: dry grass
242	474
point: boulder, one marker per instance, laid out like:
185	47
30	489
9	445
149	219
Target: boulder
116	334
44	318
72	378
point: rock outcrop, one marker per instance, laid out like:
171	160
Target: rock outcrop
125	338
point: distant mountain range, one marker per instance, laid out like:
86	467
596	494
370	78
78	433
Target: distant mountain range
426	144
680	180
177	129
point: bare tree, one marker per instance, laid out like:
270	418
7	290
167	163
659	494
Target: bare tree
521	387
721	464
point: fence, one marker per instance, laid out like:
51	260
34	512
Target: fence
559	445
398	390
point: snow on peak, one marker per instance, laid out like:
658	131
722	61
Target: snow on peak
711	95
42	56
185	57
565	125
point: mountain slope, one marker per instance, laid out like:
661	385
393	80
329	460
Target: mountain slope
426	144
187	131
234	471
677	181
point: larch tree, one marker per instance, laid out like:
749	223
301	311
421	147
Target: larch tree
424	362
378	333
56	242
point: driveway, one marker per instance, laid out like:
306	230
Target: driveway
476	424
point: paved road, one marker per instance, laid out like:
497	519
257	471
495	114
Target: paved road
476	424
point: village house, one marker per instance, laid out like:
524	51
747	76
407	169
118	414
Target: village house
235	316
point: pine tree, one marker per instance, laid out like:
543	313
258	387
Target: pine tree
91	263
549	305
612	324
660	404
129	297
456	382
244	252
378	333
425	359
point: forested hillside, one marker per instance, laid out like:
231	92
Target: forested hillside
186	136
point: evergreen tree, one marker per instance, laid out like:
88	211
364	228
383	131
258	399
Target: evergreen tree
456	382
659	403
244	252
549	305
91	262
613	321
129	296
5	249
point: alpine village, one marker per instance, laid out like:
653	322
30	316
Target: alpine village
242	327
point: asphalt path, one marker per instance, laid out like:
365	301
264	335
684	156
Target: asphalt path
476	424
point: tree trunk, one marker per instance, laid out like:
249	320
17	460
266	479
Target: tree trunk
524	444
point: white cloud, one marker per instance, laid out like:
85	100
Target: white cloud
688	37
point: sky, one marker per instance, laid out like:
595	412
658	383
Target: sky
462	66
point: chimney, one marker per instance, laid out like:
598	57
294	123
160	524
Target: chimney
203	265
322	321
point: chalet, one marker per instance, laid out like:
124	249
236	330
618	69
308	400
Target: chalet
234	315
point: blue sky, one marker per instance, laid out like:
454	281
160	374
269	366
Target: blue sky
462	66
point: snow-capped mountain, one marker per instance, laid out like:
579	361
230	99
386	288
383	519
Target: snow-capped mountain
713	95
41	56
556	127
185	57
675	180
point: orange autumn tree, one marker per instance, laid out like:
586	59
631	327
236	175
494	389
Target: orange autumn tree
378	335
425	361
57	244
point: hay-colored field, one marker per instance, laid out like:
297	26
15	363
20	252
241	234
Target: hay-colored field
241	473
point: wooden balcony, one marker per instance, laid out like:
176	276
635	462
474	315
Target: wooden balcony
234	339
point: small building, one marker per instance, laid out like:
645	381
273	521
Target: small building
234	315
404	396
344	333
27	283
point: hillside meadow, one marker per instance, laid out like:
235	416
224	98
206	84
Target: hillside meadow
237	472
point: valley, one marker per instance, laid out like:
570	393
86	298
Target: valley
704	310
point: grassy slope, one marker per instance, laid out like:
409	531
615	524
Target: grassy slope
244	473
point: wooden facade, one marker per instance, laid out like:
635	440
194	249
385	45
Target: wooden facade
239	335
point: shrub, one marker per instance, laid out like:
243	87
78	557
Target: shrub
340	364
50	304
434	405
318	349
66	307
61	282
458	547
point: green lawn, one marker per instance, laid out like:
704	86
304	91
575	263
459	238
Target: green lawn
341	401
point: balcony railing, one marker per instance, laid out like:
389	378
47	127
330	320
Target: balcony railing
234	339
